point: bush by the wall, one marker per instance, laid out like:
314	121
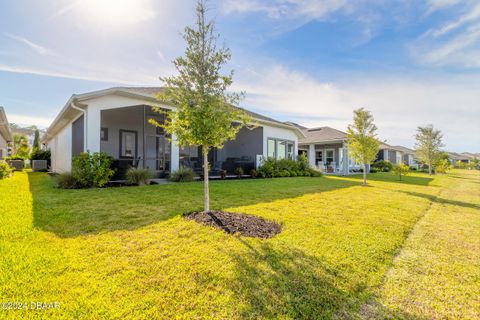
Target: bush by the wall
183	174
38	154
383	166
138	176
17	157
272	168
92	170
5	170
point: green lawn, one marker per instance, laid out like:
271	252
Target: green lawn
391	250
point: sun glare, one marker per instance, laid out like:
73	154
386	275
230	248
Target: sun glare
117	12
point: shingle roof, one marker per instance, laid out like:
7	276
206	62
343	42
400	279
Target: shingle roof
154	91
322	134
404	149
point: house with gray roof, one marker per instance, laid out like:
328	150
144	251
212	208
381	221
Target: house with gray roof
326	149
396	154
116	121
5	134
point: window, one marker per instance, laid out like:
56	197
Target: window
329	156
281	149
290	151
271	148
319	157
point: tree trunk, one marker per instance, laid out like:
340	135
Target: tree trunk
364	174
430	169
206	198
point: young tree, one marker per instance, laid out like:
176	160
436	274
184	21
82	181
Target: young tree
36	140
205	113
429	142
362	142
401	170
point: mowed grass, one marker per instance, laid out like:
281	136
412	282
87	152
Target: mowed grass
127	252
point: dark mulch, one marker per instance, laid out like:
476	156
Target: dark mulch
245	225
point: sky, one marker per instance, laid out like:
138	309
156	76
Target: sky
410	62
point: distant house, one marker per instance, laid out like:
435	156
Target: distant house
462	157
327	150
5	134
396	154
408	155
116	121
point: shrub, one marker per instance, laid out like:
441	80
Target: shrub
272	168
239	172
66	181
400	170
183	174
38	154
314	173
92	170
17	157
253	173
5	170
138	176
383	166
443	166
373	170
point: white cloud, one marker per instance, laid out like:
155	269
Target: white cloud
34	46
311	9
29	120
398	104
452	43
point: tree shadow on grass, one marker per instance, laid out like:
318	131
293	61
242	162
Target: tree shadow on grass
286	282
389	177
71	213
439	200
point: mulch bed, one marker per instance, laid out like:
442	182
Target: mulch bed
245	225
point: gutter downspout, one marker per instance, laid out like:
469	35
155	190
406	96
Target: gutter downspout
85	124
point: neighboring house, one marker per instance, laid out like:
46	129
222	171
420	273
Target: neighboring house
5	134
408	156
116	121
390	153
326	149
462	157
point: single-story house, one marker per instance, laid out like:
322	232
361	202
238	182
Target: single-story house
5	134
462	157
408	155
116	121
389	153
326	149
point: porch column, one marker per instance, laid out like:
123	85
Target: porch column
385	154
175	155
311	155
346	166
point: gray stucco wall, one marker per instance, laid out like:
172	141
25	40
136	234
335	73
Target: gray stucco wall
392	156
78	137
247	143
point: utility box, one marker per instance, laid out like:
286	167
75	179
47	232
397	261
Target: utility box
39	165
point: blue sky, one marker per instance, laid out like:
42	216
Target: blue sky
410	62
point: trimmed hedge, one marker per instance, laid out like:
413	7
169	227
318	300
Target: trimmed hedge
273	168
